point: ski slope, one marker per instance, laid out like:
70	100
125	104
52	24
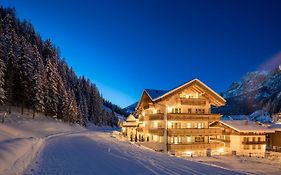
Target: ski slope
97	152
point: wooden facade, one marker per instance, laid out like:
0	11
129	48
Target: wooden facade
177	121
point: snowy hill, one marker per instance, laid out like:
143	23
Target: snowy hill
255	91
130	109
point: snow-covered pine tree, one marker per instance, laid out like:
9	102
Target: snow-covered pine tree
37	94
24	70
72	108
2	65
2	82
50	80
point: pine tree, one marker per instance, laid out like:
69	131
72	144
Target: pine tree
2	70
24	69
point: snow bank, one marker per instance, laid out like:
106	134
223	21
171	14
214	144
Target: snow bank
17	154
22	137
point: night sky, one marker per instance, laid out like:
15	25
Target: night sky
126	46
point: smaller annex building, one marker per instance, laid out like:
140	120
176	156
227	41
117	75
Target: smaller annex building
129	128
242	137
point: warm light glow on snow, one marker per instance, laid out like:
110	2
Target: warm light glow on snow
221	150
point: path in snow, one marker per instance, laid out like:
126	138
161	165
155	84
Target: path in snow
96	152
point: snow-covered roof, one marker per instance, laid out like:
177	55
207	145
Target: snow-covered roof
131	118
187	83
275	127
246	126
154	93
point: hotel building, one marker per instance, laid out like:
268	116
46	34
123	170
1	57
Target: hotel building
177	121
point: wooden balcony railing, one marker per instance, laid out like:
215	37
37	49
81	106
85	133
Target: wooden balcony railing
185	116
194	132
195	146
156	131
158	116
220	140
254	142
139	129
192	101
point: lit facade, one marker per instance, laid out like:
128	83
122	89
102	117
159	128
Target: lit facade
177	121
242	137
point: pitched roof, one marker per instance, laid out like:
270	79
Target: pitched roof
276	127
131	118
154	93
189	83
246	126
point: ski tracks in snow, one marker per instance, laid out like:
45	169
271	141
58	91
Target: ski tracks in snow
97	152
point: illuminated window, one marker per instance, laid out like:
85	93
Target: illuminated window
188	125
199	139
200	125
253	146
176	110
259	146
189	111
188	139
246	147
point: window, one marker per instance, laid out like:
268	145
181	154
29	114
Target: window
188	139
253	146
176	125
188	125
189	111
259	139
254	139
176	110
200	125
176	140
259	146
246	139
199	139
195	125
200	111
246	147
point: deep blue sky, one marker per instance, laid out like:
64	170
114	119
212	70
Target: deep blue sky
126	46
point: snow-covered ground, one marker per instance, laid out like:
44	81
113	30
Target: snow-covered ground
21	137
250	165
47	147
97	152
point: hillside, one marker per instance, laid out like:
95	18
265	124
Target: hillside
34	76
131	108
260	90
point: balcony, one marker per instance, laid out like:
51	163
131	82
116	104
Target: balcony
156	131
139	129
254	142
186	116
158	116
220	140
194	131
192	101
141	118
194	146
